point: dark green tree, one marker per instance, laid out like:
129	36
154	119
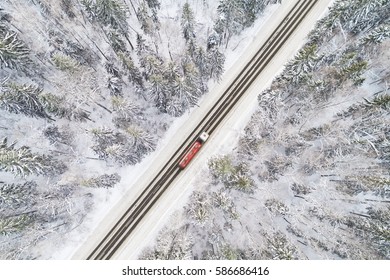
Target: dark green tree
22	162
14	53
188	22
22	99
216	61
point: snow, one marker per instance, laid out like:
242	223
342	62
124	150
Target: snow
228	134
175	135
110	204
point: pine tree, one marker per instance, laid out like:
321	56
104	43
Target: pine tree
151	64
144	19
114	84
13	52
141	141
171	72
125	110
231	18
303	64
13	196
187	22
201	61
142	48
55	135
158	91
112	12
22	99
116	39
14	224
134	74
381	101
104	181
58	107
376	36
216	60
354	71
153	4
105	138
235	15
22	162
189	87
65	62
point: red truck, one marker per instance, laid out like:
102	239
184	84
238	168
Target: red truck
195	147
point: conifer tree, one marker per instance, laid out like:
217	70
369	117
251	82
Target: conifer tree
201	60
22	162
144	19
134	73
216	60
187	22
112	12
157	91
9	225
13	196
141	141
104	181
13	52
22	99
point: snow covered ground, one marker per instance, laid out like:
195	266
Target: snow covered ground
180	128
170	216
228	134
307	205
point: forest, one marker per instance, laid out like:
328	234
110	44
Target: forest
87	89
310	175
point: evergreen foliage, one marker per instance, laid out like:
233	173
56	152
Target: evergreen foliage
125	109
22	99
144	19
55	135
58	107
377	35
353	16
10	225
188	22
13	52
13	196
141	141
116	39
231	175
303	64
157	91
123	148
201	61
216	60
132	70
380	101
199	209
22	162
104	181
352	67
235	15
279	248
154	4
111	12
171	244
31	101
65	63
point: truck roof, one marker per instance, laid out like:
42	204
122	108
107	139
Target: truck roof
204	136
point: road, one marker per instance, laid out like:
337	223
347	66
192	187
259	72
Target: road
131	228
